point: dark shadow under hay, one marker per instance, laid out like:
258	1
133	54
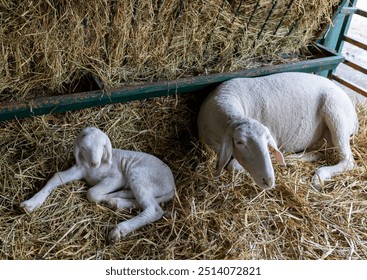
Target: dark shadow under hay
209	218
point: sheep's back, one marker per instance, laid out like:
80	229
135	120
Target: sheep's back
289	104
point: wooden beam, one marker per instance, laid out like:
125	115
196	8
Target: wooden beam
355	42
355	66
361	13
349	85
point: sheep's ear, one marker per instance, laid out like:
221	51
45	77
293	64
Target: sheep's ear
225	152
275	151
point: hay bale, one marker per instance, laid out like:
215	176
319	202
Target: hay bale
47	46
226	218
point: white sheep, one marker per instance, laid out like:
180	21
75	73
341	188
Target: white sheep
242	117
120	178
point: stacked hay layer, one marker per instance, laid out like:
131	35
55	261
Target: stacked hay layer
226	218
47	46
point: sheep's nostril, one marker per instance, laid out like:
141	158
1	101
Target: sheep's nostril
94	164
268	182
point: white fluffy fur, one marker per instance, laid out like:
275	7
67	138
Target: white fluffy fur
242	117
120	178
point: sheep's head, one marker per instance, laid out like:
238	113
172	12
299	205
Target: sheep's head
249	142
92	147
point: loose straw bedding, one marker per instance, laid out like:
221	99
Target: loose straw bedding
209	218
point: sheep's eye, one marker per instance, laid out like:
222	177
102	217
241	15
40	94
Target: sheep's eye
239	143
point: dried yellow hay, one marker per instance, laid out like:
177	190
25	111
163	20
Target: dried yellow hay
47	46
226	218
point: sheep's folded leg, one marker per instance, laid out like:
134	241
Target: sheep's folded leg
308	156
327	172
234	166
340	139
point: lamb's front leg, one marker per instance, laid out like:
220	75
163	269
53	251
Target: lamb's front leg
59	178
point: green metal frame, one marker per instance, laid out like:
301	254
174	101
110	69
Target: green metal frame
337	35
331	37
56	104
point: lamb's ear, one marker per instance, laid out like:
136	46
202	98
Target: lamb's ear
225	151
107	153
77	154
275	151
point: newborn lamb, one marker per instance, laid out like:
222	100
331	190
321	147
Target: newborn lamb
120	178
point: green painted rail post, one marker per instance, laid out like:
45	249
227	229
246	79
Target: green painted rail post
333	37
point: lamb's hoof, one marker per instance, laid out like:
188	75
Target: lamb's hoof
317	183
28	206
112	202
115	235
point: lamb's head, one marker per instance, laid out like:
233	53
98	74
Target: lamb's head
248	141
92	147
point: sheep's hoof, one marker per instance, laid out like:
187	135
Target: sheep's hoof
234	166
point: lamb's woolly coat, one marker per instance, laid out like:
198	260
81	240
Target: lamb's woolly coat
119	178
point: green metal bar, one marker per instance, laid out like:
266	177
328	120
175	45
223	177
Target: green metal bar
354	10
77	101
344	29
348	10
327	36
332	36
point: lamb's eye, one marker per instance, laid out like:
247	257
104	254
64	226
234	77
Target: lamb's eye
239	143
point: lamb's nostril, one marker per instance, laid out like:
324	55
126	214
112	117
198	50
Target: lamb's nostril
94	164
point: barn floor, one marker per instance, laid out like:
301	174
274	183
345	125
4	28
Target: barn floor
226	218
